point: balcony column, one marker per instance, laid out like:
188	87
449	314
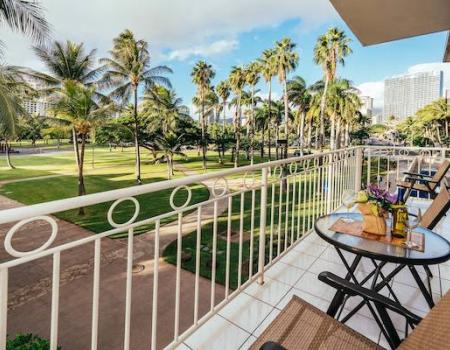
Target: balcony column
262	227
359	166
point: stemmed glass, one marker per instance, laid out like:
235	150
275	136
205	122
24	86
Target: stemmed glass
349	200
414	219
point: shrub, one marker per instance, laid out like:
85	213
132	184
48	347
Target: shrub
28	342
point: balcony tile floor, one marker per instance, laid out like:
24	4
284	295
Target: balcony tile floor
240	322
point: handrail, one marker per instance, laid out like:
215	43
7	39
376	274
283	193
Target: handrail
16	214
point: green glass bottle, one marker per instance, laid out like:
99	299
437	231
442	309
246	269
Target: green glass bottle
399	220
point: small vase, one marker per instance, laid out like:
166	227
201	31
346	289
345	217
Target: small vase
371	223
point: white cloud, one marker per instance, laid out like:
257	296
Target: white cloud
215	48
375	89
166	25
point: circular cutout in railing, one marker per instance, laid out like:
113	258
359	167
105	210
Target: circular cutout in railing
115	204
246	178
216	186
12	231
187	201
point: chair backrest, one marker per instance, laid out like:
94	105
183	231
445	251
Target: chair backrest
442	171
437	209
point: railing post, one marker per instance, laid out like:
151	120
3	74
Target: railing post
262	227
359	165
443	154
330	189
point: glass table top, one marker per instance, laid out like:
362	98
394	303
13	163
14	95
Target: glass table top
436	248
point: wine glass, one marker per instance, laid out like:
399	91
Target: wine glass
349	201
414	219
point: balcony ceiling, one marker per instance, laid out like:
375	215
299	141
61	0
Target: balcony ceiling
379	21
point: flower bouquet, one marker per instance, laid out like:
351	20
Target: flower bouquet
374	204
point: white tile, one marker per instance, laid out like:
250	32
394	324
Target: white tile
412	297
405	277
298	259
365	326
445	284
313	300
311	284
182	346
246	312
285	273
270	292
314	238
250	340
217	333
266	322
310	248
321	265
444	271
330	254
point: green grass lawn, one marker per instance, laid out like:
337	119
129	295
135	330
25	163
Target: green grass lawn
111	170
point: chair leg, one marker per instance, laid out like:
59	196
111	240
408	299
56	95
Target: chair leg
428	271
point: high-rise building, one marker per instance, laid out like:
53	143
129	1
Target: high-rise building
404	95
367	106
36	105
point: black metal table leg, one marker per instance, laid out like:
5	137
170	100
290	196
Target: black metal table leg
339	296
426	294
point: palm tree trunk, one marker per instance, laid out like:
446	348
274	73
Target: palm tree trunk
277	148
338	136
270	141
252	129
75	146
203	133
8	156
136	139
270	116
333	132
309	137
237	132
302	130
262	143
81	186
286	115
323	101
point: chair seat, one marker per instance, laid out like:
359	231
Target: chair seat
302	326
417	186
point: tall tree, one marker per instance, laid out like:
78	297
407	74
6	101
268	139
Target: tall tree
65	61
286	60
330	49
268	71
126	71
26	17
202	74
300	97
223	90
237	83
78	106
252	76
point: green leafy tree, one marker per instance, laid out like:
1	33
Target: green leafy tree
330	49
223	91
286	60
201	75
77	106
300	97
126	71
28	342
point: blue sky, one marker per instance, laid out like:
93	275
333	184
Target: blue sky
227	33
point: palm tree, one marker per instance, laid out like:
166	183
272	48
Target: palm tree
127	70
26	17
223	90
169	145
330	49
12	91
286	60
77	105
202	74
237	83
164	108
268	70
252	78
300	97
440	110
65	61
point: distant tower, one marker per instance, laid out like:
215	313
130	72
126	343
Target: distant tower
404	95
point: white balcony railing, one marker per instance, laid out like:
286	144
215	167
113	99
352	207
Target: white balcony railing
256	213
